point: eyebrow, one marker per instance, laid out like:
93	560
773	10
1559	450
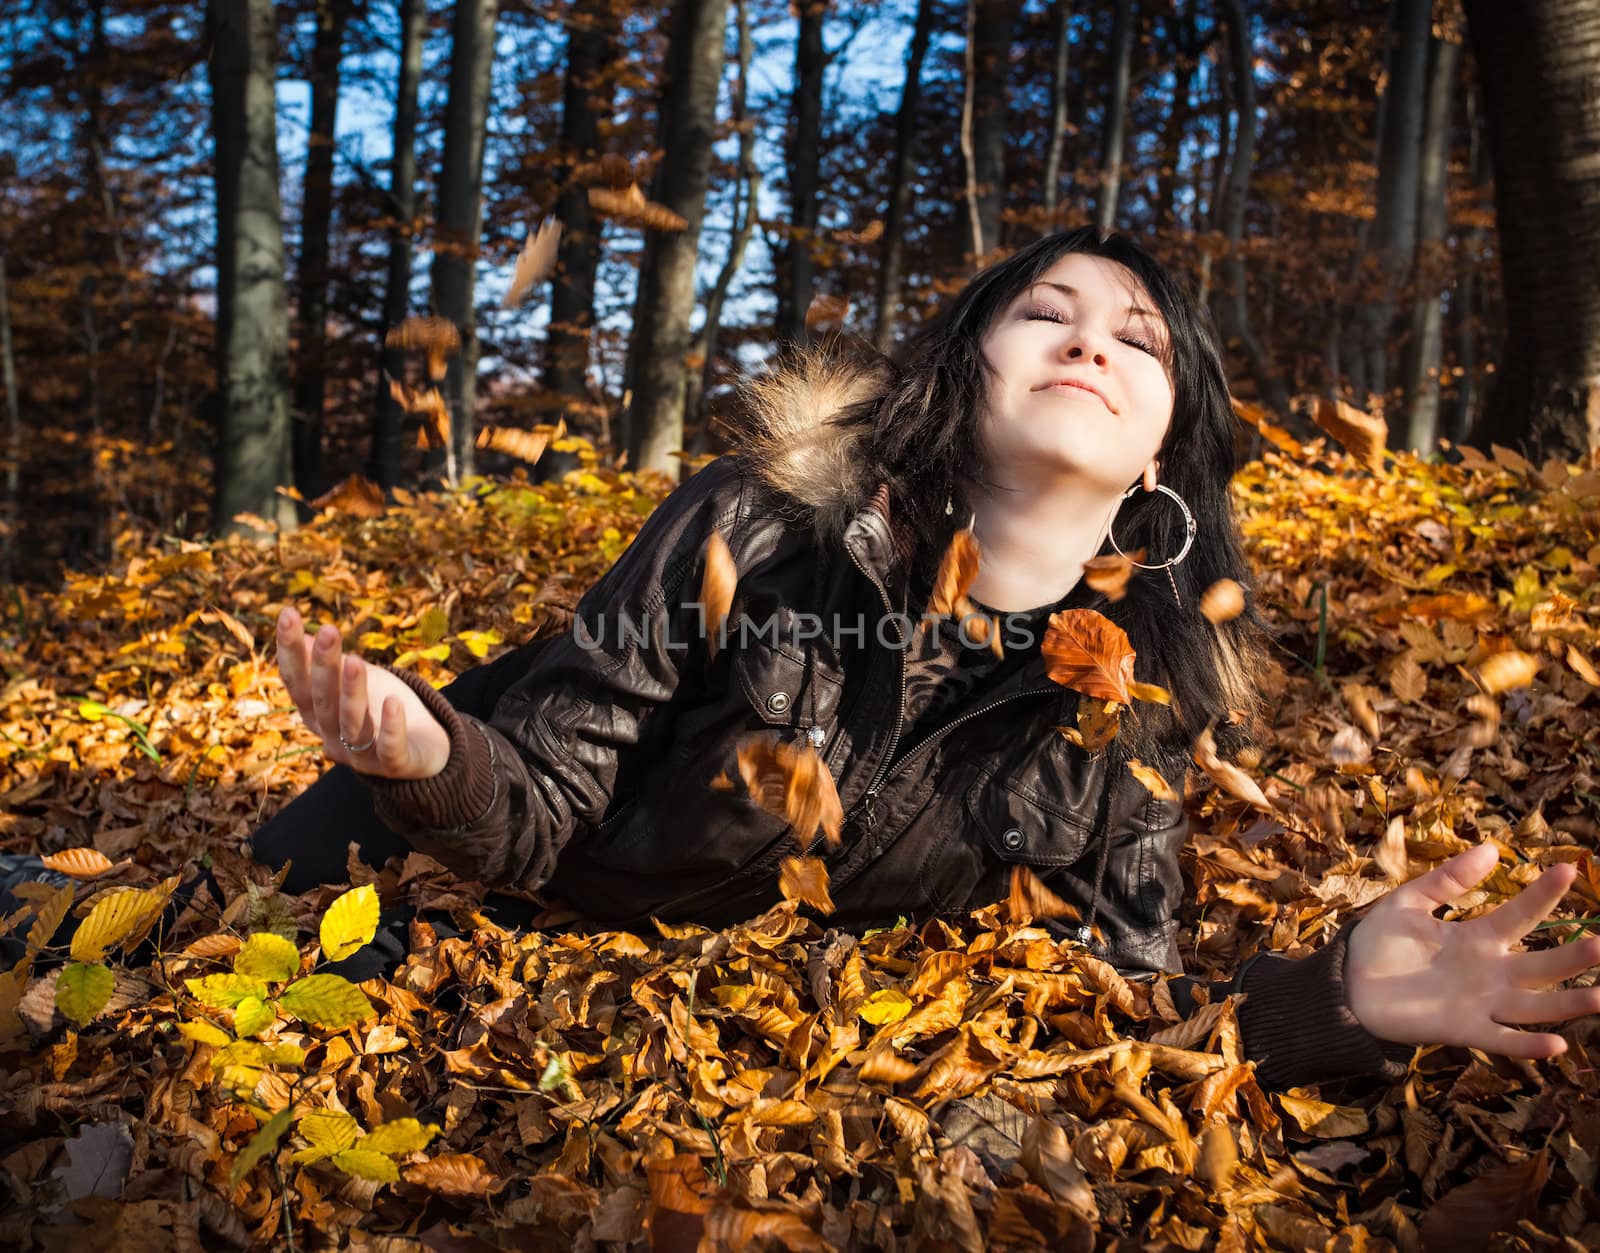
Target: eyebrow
1136	311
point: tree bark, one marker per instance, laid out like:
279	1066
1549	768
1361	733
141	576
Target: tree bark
1427	313
1116	130
8	379
587	94
387	446
991	24
254	455
1058	116
1233	300
899	206
805	158
461	210
658	359
315	222
1186	45
1536	63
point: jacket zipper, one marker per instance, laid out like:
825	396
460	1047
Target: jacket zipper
864	807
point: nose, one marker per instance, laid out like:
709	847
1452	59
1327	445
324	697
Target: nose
1076	350
1082	340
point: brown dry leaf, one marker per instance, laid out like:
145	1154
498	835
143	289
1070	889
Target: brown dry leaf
1484	729
1152	780
630	205
1109	575
80	863
357	496
526	446
1407	680
1391	855
1226	775
957	570
1349	748
1257	416
534	262
826	314
717	583
1330	1122
805	879
436	337
1030	899
1496	1200
1222	601
868	234
1150	692
429	404
1358	699
1365	437
793	783
1504	671
733	1228
1582	667
1098	723
1089	653
455	1174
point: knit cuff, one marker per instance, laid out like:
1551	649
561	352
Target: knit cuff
455	797
1298	1027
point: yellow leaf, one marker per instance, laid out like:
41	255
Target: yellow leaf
202	1032
82	990
118	915
263	1142
1150	692
479	642
886	1005
92	710
268	956
1323	1119
253	1015
365	1164
1501	672
80	863
1152	780
402	1135
350	923
225	991
283	1055
433	625
327	1132
326	1001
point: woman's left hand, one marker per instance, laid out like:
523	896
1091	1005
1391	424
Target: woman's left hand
1414	979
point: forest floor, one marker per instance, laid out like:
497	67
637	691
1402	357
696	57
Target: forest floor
780	1083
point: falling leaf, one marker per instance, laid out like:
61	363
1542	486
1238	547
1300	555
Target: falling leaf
1582	667
1226	775
357	496
1030	899
79	863
957	570
1258	417
437	338
1222	601
526	446
534	262
1089	653
868	234
792	783
1504	671
1152	779
629	205
718	580
1098	723
1349	748
1109	575
826	314
805	879
1364	437
1150	692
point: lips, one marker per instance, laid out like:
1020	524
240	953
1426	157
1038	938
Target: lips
1076	385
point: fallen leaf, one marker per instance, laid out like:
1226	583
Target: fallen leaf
534	262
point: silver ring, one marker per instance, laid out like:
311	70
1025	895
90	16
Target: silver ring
357	748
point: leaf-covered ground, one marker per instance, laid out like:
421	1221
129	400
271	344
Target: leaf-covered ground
783	1084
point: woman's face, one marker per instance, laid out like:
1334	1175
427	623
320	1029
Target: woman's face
1078	384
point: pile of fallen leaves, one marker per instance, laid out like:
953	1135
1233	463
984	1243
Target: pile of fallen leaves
782	1083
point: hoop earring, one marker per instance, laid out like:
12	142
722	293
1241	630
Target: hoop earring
1190	529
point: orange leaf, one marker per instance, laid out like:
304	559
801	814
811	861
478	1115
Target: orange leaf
717	584
805	879
1363	436
526	446
1109	575
1152	779
1222	601
1089	653
1504	671
534	262
825	314
357	496
630	205
957	570
457	1174
792	783
1227	776
1030	899
80	863
437	337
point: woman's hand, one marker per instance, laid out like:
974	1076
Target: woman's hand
1414	979
368	719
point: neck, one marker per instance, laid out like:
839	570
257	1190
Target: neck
1034	539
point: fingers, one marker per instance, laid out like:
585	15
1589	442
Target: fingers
1449	880
355	717
1535	1046
1552	965
1512	920
1520	1005
393	748
294	658
325	682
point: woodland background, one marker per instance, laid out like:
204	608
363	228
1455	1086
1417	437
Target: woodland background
210	218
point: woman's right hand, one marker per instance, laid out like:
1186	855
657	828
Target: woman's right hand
368	718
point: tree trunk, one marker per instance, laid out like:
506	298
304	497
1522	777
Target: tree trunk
894	226
254	454
387	446
1392	243
587	95
1427	313
1116	117
1465	301
799	275
461	210
317	210
1058	116
1536	63
746	196
8	380
1185	49
1233	307
991	24
659	368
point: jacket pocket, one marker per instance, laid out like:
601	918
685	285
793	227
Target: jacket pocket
774	679
1020	824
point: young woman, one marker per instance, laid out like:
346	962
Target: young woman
1070	403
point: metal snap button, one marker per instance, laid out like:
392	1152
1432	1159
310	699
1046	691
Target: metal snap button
816	735
778	702
1013	838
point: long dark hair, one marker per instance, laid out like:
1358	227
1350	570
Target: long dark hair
922	437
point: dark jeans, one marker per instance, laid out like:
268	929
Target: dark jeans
315	829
